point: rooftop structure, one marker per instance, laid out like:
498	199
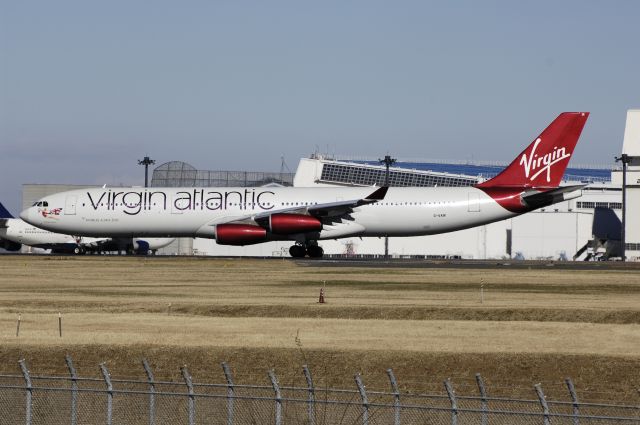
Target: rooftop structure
322	170
368	175
484	171
182	174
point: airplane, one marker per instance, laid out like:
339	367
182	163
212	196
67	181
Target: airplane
14	233
245	216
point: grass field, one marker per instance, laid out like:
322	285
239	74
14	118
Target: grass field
538	325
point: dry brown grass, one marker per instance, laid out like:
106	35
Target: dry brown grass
427	324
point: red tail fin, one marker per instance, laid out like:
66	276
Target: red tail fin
542	163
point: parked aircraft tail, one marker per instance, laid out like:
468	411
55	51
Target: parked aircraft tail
541	165
4	213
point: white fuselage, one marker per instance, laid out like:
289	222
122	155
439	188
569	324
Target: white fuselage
18	231
194	212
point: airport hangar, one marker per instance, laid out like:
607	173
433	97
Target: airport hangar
557	232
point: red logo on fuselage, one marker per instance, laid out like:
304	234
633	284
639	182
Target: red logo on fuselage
46	213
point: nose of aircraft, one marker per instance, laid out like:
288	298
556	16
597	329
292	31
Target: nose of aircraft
26	214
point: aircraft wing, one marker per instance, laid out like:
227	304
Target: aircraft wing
330	209
328	212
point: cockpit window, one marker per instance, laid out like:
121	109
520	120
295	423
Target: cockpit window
45	204
41	204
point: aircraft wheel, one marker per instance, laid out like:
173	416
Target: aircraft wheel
315	251
297	251
78	250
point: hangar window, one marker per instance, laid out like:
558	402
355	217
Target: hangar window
586	204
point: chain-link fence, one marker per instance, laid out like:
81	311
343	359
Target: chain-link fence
52	400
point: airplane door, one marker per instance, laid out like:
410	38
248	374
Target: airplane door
474	202
70	205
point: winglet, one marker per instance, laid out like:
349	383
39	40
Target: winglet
4	213
378	195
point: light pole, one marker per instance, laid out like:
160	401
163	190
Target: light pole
146	162
625	159
388	162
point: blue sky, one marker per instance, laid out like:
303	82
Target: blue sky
88	87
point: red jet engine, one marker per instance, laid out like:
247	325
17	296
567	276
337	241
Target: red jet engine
240	234
285	224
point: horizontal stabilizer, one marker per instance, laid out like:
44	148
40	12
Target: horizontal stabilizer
537	200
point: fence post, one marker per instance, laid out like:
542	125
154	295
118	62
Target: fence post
452	399
230	392
574	400
365	400
396	397
152	392
192	399
29	388
74	389
312	395
484	403
276	389
107	380
543	402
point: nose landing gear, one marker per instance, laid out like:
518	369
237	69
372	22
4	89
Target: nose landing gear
310	249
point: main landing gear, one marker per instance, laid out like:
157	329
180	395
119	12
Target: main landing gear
310	249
